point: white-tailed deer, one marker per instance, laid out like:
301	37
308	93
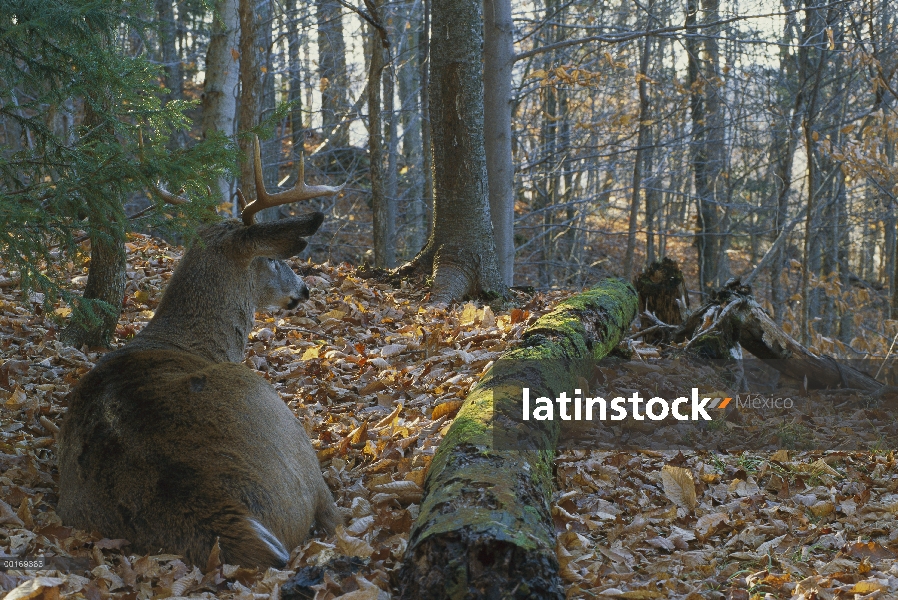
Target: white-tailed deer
169	442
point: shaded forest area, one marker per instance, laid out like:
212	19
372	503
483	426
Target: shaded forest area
750	140
477	165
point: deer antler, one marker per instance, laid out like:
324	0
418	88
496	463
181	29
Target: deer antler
300	191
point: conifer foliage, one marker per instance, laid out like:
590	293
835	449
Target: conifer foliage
85	130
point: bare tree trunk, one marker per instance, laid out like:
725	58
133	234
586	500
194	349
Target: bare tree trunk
250	91
171	61
498	60
412	152
270	147
813	22
705	239
426	125
332	69
716	184
384	218
222	77
294	49
460	248
391	187
641	142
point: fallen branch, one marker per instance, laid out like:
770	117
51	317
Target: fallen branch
736	319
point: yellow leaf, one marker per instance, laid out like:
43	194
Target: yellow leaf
311	352
446	408
538	74
866	587
468	315
63	311
780	456
334	314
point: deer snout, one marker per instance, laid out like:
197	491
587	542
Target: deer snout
302	297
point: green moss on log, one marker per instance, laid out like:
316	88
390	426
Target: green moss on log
488	504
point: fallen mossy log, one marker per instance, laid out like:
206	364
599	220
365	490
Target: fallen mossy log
733	319
485	529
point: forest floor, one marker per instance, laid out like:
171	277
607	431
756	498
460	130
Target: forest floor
377	374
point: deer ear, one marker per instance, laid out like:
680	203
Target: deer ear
280	239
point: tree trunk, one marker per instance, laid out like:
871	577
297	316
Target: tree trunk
105	282
171	61
412	152
222	77
270	147
498	60
250	91
106	273
332	69
460	248
294	49
426	125
715	194
641	142
485	528
391	181
384	217
705	240
810	144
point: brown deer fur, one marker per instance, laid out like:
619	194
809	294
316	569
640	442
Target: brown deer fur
170	444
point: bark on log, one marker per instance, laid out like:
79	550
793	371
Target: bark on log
485	529
733	316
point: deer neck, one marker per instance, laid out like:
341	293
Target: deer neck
222	341
211	320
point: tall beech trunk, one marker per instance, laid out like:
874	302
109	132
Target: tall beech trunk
426	127
641	143
384	212
332	70
250	91
412	153
702	161
498	60
485	528
222	77
271	147
460	248
294	49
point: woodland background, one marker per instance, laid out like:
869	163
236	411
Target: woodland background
742	139
615	133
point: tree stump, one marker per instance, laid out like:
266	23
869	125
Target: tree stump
662	291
